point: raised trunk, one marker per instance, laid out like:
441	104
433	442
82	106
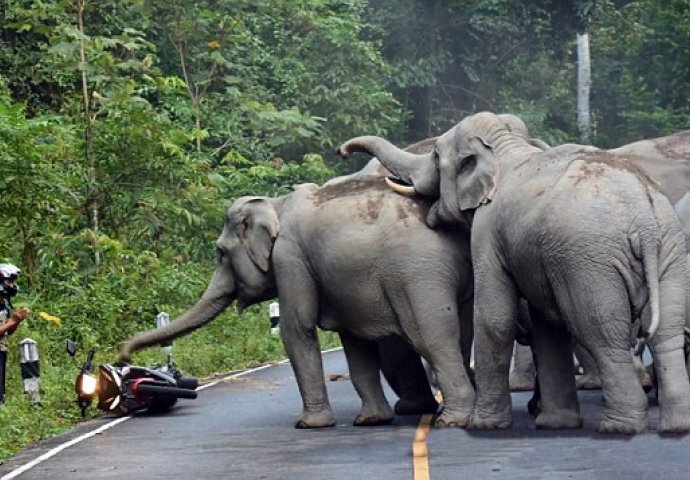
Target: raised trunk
415	169
206	309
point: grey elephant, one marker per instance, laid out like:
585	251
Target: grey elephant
667	160
587	239
334	255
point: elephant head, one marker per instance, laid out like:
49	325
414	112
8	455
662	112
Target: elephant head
461	170
243	272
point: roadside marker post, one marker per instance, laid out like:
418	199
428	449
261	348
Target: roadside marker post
30	369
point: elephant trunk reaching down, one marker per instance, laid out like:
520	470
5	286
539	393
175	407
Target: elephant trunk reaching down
209	306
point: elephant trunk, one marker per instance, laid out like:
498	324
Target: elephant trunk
404	165
206	309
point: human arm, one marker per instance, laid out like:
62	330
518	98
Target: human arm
13	322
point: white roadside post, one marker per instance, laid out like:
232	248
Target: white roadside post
274	316
163	320
30	368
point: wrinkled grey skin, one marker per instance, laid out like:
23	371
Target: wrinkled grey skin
354	258
533	235
683	209
667	159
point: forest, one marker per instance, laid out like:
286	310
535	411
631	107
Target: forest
128	126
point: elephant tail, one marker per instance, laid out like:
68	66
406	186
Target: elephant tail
646	247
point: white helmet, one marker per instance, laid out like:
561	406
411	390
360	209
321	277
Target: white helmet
8	272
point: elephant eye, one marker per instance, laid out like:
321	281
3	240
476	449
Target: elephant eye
468	164
220	255
436	158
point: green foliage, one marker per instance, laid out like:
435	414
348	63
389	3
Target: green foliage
116	170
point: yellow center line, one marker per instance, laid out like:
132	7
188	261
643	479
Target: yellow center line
420	449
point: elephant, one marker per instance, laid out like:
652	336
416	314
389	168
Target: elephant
357	259
532	235
667	159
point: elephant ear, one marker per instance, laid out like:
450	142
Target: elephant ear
259	230
477	175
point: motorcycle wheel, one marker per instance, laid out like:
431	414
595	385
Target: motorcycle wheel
159	390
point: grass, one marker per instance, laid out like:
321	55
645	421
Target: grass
228	343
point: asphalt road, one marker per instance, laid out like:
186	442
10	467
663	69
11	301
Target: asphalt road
242	429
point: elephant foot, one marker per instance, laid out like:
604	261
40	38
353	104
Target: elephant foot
321	419
588	382
521	383
558	419
490	422
416	406
372	420
453	421
674	420
630	427
372	415
458	417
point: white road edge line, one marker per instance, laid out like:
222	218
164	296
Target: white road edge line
18	471
51	453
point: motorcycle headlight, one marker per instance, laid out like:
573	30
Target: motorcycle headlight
88	384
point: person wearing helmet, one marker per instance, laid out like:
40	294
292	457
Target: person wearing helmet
9	321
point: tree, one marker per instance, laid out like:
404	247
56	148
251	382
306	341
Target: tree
584	77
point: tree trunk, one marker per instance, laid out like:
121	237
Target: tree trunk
584	82
92	199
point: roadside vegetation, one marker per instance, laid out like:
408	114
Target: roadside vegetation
128	126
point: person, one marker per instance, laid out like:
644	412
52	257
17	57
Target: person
9	320
274	314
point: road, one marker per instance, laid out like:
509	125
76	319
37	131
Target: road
242	428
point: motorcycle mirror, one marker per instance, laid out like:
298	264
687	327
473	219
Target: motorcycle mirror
71	348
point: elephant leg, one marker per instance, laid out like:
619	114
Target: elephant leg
495	317
403	369
522	376
668	353
534	403
438	339
467	335
363	360
298	312
606	336
589	380
558	407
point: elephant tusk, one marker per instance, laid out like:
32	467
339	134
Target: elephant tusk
400	188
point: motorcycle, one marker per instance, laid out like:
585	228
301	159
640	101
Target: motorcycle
129	388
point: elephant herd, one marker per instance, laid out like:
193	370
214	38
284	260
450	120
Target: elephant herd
495	227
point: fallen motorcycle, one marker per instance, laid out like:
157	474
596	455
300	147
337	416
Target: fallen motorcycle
128	388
